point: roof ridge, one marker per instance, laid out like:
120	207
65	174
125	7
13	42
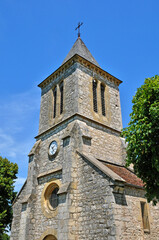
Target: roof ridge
107	162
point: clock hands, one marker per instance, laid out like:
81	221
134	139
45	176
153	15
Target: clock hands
53	147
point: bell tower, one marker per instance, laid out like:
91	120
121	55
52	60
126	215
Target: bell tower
80	123
80	88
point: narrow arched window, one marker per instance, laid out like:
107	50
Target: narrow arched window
55	99
95	96
103	99
61	97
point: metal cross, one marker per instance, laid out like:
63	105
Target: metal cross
79	25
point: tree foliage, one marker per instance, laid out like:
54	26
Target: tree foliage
142	136
8	173
5	237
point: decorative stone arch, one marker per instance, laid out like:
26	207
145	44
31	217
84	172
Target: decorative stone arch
49	234
50	237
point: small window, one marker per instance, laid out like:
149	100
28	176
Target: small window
24	207
95	96
31	158
66	141
54	200
86	141
103	99
61	98
145	219
55	98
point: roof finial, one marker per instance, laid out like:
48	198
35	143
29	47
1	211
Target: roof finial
78	27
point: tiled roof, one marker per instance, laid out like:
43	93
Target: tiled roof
126	174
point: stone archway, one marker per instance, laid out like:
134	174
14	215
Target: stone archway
49	234
50	237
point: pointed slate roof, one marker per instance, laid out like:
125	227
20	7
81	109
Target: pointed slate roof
80	48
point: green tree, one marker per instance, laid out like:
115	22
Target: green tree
5	237
8	173
142	136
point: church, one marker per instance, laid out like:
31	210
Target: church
78	187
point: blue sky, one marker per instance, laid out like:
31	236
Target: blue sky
35	37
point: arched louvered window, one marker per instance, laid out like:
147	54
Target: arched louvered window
94	84
61	97
55	100
103	99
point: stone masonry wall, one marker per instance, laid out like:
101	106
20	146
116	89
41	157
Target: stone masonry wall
95	211
112	99
105	144
16	223
70	93
154	222
128	218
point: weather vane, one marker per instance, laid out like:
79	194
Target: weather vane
78	27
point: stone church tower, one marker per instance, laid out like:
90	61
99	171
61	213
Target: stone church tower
77	187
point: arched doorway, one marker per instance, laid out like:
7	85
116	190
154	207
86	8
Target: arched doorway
50	237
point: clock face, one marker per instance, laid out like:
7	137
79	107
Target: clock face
53	148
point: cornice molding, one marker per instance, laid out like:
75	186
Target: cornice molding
84	62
